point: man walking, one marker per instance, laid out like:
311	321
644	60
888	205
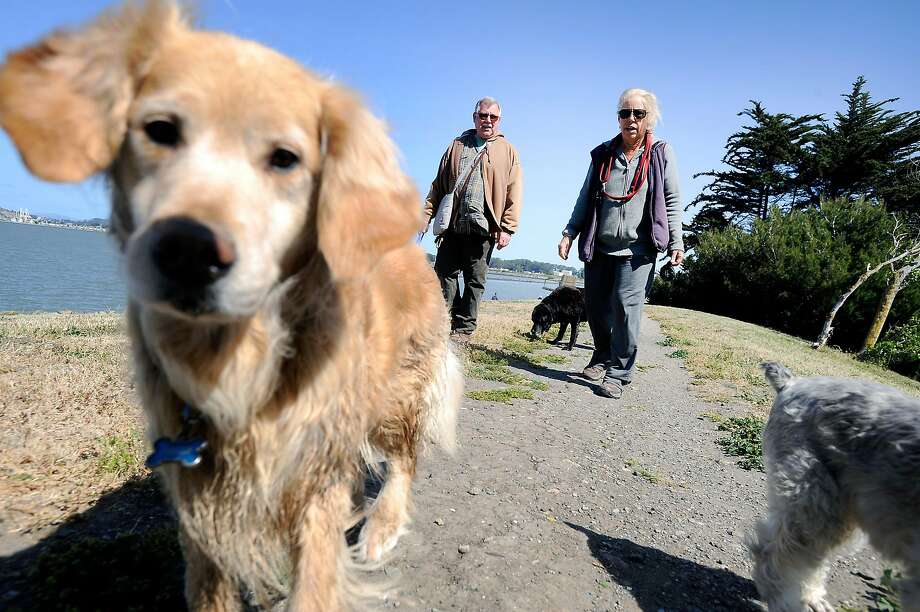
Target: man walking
486	209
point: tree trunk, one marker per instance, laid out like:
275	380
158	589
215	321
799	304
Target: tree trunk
884	306
826	332
828	324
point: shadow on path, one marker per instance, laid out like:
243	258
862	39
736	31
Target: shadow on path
531	368
120	554
660	581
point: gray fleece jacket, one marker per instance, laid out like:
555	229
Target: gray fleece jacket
618	222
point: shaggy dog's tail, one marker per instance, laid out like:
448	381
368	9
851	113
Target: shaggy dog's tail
443	401
776	374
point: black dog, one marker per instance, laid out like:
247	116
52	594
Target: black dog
565	306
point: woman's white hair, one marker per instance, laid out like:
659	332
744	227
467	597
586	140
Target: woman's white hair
651	104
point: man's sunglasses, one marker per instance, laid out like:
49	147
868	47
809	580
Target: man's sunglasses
484	116
638	113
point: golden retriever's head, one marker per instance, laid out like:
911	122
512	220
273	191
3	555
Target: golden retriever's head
231	166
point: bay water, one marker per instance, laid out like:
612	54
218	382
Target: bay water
52	269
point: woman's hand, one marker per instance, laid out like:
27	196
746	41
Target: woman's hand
564	245
677	258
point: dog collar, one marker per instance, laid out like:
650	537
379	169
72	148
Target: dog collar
186	449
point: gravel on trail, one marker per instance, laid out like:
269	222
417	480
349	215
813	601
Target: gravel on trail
572	501
568	501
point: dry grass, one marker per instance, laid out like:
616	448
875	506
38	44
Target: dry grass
724	357
70	428
500	320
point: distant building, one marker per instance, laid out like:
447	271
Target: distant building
23	216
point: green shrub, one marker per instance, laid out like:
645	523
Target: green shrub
786	272
899	350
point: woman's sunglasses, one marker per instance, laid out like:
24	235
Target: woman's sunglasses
638	113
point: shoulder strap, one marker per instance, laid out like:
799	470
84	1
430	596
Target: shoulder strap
469	173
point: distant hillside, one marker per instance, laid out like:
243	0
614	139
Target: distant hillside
25	217
528	265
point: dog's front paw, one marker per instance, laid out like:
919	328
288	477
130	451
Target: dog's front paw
378	537
819	605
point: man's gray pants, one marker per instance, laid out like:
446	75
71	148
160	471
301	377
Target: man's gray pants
467	254
615	291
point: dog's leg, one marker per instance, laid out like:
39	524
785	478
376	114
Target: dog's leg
320	556
790	546
558	338
389	514
207	588
574	337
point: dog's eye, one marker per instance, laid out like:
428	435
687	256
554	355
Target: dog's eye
162	132
282	159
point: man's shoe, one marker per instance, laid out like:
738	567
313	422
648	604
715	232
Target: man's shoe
609	387
594	372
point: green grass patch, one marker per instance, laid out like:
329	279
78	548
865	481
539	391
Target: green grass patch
485	365
881	593
745	440
120	456
885	598
504	396
642	472
712	415
495	373
129	572
537	385
488	358
680	354
529	351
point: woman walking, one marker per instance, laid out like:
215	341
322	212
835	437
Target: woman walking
628	210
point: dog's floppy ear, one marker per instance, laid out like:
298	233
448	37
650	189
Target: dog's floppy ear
64	101
367	205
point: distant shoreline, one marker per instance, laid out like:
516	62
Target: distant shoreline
62	225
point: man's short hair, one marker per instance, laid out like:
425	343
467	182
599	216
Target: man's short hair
488	101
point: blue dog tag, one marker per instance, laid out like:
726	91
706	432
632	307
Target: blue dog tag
185	452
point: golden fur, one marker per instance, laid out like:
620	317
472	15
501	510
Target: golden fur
326	338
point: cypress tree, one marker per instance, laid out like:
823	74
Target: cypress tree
765	163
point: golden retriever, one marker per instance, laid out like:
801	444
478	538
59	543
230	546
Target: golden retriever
273	288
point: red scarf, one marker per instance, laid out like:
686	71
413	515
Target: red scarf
641	173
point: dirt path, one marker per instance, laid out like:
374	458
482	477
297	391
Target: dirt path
566	502
550	504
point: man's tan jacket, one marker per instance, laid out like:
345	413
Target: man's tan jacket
503	182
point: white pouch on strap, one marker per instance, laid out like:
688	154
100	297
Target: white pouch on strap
441	219
443	215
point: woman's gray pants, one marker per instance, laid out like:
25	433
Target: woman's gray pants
615	291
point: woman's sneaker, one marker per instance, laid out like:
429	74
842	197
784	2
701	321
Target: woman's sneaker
594	372
611	388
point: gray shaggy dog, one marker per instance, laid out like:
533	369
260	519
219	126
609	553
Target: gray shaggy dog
840	454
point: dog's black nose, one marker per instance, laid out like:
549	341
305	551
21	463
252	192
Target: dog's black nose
188	254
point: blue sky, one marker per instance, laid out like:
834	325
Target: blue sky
557	68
